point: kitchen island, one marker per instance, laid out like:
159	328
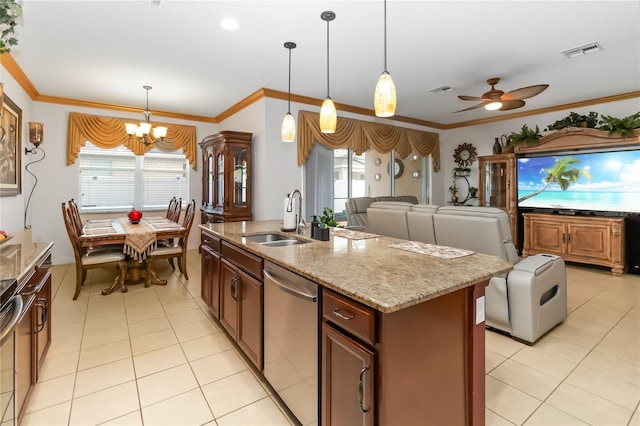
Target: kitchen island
420	343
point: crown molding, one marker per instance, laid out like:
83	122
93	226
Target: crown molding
9	63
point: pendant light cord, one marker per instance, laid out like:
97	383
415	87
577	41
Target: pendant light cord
385	35
328	60
289	99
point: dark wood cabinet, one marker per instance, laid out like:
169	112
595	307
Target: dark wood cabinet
33	334
226	177
241	300
210	271
348	370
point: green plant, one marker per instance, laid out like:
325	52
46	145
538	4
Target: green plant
473	191
525	136
623	126
575	120
327	217
10	11
453	189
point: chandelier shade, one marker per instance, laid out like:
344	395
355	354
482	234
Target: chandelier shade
288	130
143	130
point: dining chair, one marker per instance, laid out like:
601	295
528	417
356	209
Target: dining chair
91	259
173	210
75	216
177	250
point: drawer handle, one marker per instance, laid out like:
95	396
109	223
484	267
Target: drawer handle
361	390
340	315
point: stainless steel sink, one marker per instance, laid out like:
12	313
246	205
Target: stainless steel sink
274	240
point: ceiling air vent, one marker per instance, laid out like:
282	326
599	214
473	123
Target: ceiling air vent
582	50
442	89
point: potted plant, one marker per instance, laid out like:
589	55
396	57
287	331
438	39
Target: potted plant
453	189
625	127
473	191
575	120
526	136
10	11
328	218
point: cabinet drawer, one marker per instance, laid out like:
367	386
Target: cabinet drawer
211	241
350	315
243	259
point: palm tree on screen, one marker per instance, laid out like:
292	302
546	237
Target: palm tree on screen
563	173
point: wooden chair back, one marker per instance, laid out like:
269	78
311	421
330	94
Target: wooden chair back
75	216
72	232
187	221
173	210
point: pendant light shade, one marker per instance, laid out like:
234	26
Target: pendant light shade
328	114
288	130
384	98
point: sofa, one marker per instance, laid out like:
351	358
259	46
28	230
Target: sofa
357	208
525	303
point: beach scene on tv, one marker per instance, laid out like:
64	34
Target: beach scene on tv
603	181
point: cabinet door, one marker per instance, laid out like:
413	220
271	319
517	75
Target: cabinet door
210	280
240	182
589	240
229	297
42	323
548	236
348	380
205	274
250	318
219	174
24	358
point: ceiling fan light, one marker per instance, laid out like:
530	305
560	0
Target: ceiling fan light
492	106
328	116
385	96
288	130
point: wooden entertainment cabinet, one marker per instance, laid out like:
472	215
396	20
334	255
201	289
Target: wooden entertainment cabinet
594	240
584	239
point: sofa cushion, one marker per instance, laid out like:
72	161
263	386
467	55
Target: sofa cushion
420	223
389	218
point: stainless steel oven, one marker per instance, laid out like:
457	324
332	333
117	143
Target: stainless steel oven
10	311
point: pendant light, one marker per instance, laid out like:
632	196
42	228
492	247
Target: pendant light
288	130
328	114
384	98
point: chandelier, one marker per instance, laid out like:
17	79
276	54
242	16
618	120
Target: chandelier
142	131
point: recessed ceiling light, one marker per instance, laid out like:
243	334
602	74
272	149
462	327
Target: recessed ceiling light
229	24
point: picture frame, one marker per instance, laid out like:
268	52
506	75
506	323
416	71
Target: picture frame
10	148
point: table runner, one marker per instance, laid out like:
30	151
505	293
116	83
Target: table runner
443	252
140	239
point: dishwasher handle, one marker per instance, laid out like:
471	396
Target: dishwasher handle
294	292
12	323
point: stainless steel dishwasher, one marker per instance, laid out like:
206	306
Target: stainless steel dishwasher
291	340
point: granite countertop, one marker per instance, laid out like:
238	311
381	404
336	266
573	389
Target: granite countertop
366	270
19	256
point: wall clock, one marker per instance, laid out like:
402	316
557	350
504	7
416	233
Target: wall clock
465	154
398	168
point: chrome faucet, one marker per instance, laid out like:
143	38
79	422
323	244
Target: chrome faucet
300	224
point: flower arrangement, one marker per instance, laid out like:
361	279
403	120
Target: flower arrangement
10	11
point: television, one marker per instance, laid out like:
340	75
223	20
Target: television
594	182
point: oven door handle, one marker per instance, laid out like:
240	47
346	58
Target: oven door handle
12	323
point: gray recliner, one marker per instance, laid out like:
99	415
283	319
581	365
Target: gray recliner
357	208
528	301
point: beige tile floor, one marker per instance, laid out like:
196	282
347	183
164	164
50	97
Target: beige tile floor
153	356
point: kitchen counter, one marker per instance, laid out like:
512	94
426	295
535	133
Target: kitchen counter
18	256
367	270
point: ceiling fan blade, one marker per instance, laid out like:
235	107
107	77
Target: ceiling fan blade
507	105
470	98
524	92
473	107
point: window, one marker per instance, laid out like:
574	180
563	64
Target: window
349	179
116	179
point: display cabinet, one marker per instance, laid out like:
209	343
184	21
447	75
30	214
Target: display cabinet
497	187
226	177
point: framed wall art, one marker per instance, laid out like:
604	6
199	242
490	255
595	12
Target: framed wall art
10	148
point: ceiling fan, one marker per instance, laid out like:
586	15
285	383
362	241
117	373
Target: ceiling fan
496	99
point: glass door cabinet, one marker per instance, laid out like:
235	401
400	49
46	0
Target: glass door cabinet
498	186
226	177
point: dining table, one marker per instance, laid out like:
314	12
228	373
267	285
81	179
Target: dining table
138	239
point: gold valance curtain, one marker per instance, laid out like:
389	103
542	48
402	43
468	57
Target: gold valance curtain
109	132
362	135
